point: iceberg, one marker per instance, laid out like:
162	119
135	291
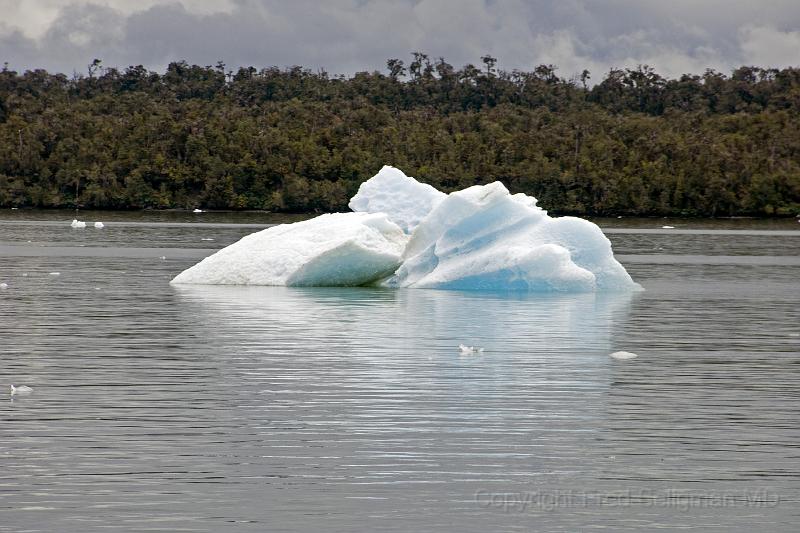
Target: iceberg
403	233
339	249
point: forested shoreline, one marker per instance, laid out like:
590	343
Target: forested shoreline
291	140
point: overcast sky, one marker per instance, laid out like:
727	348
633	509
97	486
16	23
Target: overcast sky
345	36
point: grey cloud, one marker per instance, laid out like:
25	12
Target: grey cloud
343	36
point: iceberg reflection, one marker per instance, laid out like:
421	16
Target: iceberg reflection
385	323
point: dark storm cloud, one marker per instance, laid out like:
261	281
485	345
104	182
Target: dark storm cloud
343	36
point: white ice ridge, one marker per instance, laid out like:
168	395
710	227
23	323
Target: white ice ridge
404	200
340	249
482	237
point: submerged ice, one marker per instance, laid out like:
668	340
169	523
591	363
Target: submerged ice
403	233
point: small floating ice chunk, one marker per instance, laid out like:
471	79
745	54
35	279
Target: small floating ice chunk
340	249
197	211
206	239
163	257
469	350
22	389
621	356
667	227
99	225
404	200
3	285
79	224
55	273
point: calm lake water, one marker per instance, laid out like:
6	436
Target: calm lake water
158	408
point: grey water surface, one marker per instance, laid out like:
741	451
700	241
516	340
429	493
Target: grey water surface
161	408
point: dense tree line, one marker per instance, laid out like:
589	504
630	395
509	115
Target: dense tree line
297	140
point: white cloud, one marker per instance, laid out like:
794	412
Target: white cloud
672	63
668	58
768	47
565	50
344	36
34	17
562	49
30	18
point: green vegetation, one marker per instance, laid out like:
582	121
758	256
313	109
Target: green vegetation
295	140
